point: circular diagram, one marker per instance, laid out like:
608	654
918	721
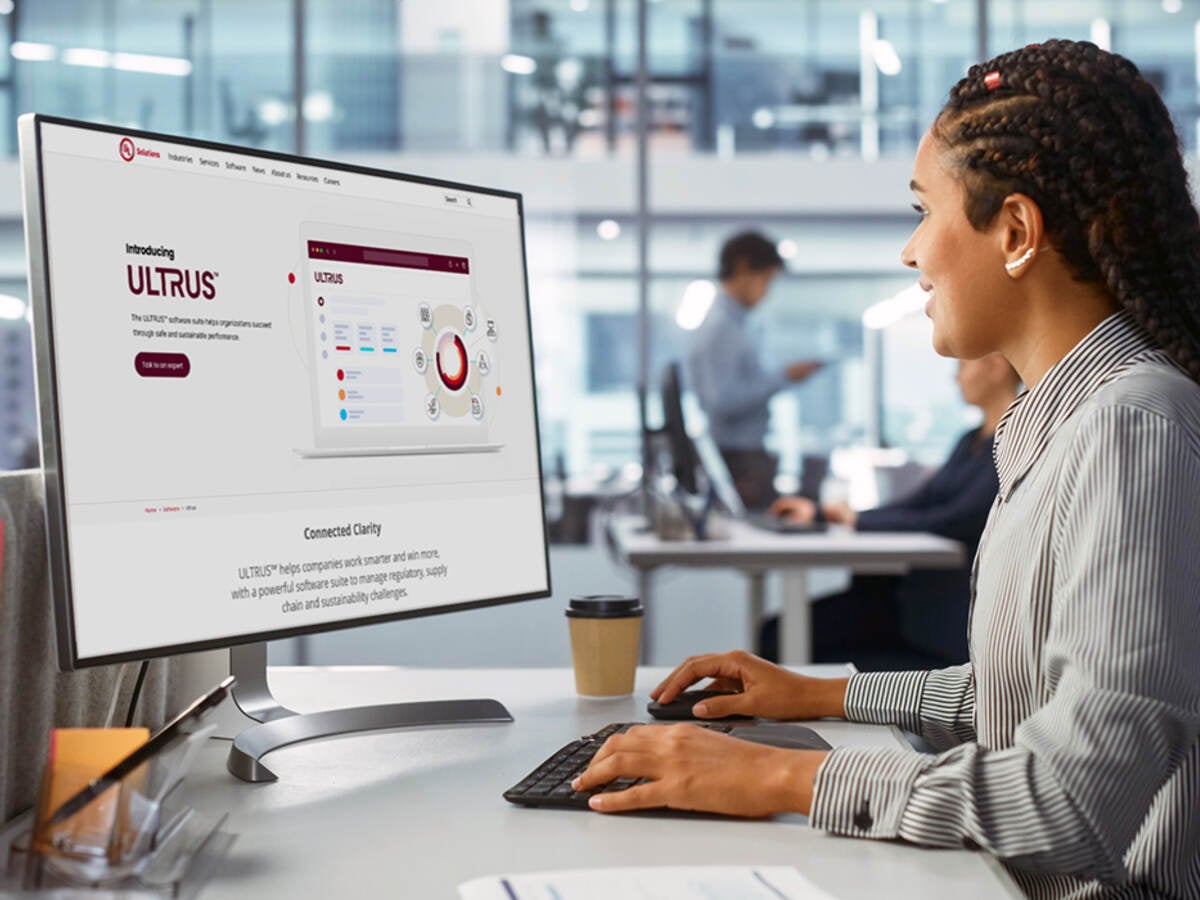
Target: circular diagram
452	360
457	372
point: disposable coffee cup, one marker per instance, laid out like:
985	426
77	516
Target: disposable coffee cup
606	631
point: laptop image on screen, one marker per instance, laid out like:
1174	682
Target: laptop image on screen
403	353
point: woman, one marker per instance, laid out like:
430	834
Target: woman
1056	228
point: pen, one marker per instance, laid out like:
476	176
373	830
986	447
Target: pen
165	737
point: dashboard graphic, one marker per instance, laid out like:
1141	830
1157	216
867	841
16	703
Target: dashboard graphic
403	354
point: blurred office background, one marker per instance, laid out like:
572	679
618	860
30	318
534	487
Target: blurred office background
799	117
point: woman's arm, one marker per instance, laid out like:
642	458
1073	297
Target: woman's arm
1119	665
688	768
938	705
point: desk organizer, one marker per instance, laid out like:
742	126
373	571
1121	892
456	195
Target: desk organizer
135	838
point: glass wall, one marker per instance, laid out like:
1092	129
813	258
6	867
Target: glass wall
758	109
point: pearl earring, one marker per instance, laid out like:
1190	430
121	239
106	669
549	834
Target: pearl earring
1017	263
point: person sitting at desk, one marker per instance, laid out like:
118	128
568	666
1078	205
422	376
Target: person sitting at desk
1057	228
918	620
724	364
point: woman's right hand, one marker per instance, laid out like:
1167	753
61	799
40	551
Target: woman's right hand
762	688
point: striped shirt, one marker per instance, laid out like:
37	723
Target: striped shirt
1069	746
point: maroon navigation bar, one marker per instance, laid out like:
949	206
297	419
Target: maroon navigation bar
382	256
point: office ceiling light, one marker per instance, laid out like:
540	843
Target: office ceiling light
787	248
154	65
518	64
11	308
6	6
86	56
102	59
579	5
568	72
697	300
318	106
608	229
274	112
763	118
893	309
1101	34
29	51
887	60
1172	6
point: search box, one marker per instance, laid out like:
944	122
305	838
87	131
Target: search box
395	258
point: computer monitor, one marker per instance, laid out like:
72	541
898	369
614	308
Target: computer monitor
685	463
277	396
696	462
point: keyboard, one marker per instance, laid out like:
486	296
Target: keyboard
549	784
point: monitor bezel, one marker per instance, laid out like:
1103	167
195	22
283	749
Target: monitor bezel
29	127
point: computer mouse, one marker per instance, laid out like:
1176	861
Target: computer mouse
680	709
787	735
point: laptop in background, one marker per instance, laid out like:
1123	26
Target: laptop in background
714	468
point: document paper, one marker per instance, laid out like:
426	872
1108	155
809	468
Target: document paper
649	883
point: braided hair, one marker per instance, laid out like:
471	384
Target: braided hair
1087	138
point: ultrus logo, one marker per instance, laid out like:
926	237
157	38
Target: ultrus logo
161	281
327	277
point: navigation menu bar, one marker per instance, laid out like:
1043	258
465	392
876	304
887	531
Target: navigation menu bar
181	156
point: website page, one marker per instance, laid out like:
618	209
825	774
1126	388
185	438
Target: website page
288	394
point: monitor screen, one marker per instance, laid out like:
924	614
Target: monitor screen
684	461
277	395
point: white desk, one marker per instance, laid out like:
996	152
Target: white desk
757	552
414	813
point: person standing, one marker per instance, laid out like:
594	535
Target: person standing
725	366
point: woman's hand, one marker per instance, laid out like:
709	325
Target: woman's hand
795	509
762	688
697	769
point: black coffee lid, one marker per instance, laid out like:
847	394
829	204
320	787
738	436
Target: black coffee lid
604	606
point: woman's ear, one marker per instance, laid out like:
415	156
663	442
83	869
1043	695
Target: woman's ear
1020	231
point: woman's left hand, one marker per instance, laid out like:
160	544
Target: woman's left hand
697	769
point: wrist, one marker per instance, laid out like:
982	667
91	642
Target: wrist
831	697
795	778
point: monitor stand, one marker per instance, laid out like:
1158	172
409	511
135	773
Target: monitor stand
279	726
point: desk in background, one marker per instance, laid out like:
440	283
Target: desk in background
757	552
414	813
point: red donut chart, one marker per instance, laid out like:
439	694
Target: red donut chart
452	361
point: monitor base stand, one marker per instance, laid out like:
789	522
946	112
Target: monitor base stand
280	726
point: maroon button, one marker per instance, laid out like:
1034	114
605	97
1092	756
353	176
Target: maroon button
162	365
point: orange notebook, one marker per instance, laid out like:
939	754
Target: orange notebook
77	755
